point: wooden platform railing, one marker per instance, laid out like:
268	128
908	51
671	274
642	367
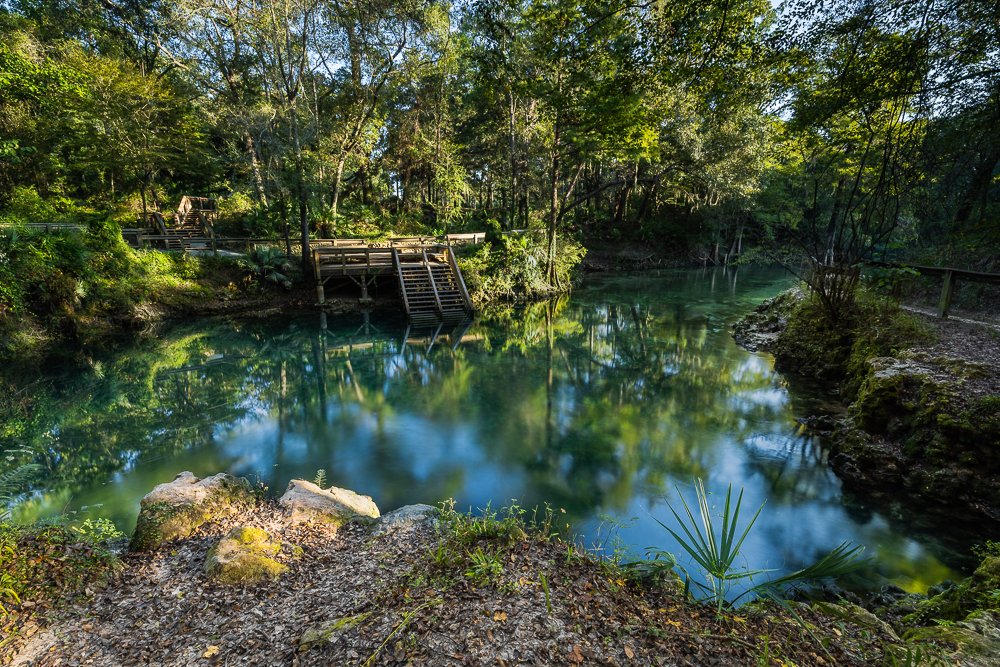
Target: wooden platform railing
951	277
430	280
142	237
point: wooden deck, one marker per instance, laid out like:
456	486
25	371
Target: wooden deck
430	280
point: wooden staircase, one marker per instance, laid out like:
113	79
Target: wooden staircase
431	285
193	220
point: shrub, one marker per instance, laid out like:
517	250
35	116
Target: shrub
514	268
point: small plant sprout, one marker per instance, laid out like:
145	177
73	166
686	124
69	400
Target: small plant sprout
715	548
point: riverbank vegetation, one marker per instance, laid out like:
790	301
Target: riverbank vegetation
920	430
835	131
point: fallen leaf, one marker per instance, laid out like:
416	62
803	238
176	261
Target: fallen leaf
500	616
576	655
210	652
629	653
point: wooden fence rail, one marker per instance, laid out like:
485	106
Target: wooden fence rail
951	277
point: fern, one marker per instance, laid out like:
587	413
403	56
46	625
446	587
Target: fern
320	478
14	482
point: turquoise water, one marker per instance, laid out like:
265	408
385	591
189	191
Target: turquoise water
603	404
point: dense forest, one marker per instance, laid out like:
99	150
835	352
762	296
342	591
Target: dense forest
850	147
834	130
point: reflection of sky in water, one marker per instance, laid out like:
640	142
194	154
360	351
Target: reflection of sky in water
642	390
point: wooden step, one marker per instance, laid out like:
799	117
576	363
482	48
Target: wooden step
429	285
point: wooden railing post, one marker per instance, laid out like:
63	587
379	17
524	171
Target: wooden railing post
320	290
947	292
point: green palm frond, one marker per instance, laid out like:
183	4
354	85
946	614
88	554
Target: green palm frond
715	548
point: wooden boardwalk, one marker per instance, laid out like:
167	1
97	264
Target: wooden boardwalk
430	280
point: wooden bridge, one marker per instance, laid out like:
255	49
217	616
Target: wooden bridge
430	281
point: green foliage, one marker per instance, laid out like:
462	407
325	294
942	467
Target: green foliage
485	567
98	532
14	480
715	548
514	268
46	563
270	264
65	280
987	549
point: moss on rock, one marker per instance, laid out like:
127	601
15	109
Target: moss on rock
244	556
176	509
975	640
980	592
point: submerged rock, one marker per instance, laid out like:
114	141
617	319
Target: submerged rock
306	501
244	556
174	510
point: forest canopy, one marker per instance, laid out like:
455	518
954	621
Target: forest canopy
842	130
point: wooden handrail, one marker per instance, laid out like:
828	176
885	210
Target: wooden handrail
433	284
453	262
402	282
951	277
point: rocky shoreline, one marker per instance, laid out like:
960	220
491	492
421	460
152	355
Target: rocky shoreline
219	574
919	432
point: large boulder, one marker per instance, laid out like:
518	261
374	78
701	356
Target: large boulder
244	556
305	501
176	509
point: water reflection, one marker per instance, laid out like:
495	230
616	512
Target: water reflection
600	403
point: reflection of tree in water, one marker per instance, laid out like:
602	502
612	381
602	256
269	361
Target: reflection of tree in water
587	403
631	393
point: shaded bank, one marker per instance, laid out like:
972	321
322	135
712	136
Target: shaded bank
920	431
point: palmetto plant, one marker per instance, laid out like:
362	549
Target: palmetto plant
715	549
269	264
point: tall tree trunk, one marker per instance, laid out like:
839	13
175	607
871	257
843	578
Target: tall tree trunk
301	187
553	209
979	187
512	161
338	179
831	227
258	177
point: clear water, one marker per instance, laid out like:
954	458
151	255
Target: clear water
604	404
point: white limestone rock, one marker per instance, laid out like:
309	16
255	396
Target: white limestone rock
307	502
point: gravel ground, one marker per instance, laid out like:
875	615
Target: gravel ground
974	344
360	598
